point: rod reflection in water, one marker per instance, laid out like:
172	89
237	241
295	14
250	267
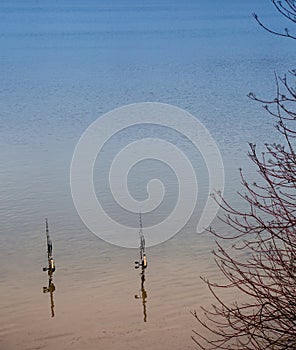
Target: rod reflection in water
50	268
143	295
50	289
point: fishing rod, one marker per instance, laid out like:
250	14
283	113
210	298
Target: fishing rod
143	264
50	268
143	258
51	264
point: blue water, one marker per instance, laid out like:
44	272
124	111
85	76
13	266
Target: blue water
65	63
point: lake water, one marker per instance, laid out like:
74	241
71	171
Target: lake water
64	64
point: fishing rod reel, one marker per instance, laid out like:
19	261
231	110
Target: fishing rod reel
51	266
142	263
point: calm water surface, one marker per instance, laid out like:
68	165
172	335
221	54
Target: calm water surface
65	63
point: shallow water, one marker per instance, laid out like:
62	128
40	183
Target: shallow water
64	64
